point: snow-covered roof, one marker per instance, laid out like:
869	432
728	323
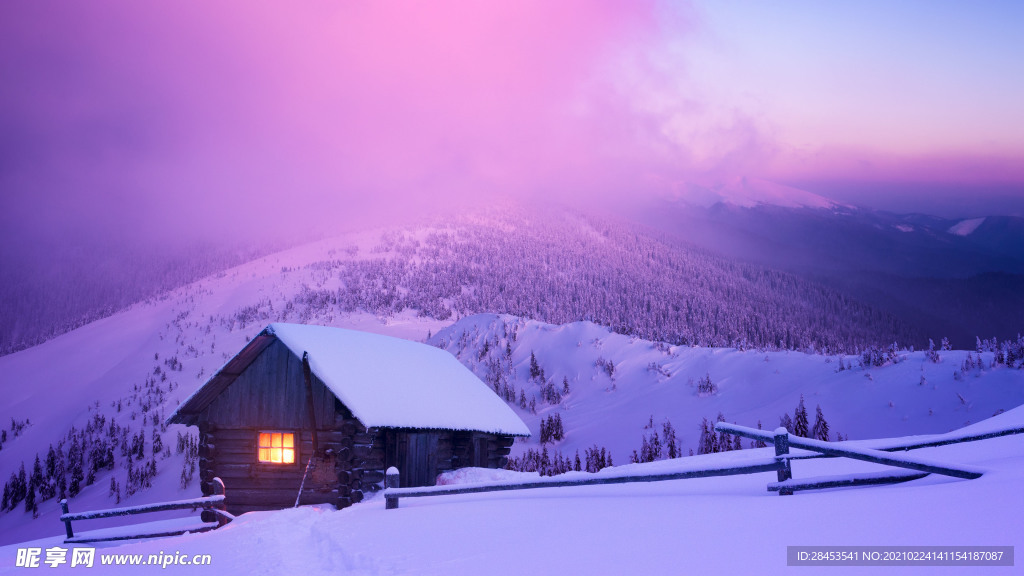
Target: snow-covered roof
390	382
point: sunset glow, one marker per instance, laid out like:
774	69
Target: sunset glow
206	112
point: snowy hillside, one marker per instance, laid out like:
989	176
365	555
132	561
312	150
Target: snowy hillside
652	382
99	395
728	525
748	192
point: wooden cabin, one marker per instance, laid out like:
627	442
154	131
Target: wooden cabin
330	410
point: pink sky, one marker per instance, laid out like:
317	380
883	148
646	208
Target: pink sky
337	111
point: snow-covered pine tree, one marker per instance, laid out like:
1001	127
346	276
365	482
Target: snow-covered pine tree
75	462
724	438
37	474
534	367
565	385
30	496
801	426
786	422
20	487
708	442
645	451
61	476
670	439
820	429
759	443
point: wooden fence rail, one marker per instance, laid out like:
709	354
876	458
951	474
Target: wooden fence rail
855	453
917	442
920	468
393	491
909	468
214	515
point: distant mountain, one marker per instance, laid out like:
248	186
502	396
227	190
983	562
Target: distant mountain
943	277
748	192
564	266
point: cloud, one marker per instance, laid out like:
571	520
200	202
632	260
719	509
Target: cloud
183	116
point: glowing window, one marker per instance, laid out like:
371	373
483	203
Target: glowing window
277	447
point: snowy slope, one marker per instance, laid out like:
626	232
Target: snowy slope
65	382
966	227
137	365
748	192
728	525
654	381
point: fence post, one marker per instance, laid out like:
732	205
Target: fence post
782	449
391	481
67	523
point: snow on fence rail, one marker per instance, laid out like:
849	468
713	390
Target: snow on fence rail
855	453
786	485
214	515
393	491
916	442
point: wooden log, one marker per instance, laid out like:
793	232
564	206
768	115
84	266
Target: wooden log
204	527
781	441
233	458
865	454
231	434
64	512
365	452
753	467
363	438
194	503
822	482
285	497
372	464
291	483
391	480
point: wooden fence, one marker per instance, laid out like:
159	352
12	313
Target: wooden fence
786	485
214	515
393	491
907	467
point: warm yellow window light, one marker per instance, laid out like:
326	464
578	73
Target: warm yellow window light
277	447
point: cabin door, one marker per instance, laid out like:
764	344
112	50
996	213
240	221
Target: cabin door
418	462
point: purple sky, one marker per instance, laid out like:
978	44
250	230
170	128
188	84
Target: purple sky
166	119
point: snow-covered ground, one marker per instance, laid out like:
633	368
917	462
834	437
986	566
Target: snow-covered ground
728	525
